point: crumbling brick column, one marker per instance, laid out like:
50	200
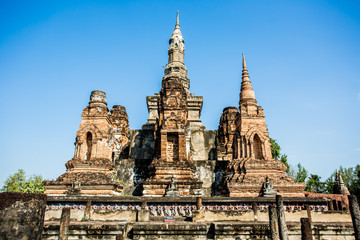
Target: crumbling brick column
22	215
274	230
355	215
306	233
64	224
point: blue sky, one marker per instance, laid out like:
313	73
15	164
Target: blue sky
303	59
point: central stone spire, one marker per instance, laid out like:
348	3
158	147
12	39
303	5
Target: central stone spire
177	129
176	51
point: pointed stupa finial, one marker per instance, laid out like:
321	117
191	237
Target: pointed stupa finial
177	31
247	93
176	48
177	19
244	63
341	181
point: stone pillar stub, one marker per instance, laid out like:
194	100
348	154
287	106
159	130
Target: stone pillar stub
281	218
64	224
355	215
274	231
308	212
306	233
87	210
198	202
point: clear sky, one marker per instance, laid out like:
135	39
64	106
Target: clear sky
303	59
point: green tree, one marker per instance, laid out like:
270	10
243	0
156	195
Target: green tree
301	174
275	149
356	189
14	183
18	183
276	154
351	177
284	160
314	184
329	184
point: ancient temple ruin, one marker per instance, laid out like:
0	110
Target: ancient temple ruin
213	184
173	144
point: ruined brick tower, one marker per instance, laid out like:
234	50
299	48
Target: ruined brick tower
102	136
245	144
174	115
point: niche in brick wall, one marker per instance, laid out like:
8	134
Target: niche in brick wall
172	150
257	147
88	145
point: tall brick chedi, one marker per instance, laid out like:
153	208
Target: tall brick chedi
245	144
172	158
102	136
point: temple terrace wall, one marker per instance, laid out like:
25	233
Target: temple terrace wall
21	215
217	218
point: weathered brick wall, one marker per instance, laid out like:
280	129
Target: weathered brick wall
172	148
133	171
21	215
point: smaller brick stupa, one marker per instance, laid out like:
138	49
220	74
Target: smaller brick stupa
101	138
339	185
244	143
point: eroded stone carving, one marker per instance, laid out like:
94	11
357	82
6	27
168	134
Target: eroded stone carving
172	190
268	190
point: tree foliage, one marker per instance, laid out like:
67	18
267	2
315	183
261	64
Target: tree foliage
276	154
314	184
18	183
284	160
301	173
351	177
275	149
329	184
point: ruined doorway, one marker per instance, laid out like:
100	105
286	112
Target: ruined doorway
88	145
257	147
172	149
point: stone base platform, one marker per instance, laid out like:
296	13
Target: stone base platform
174	230
191	231
218	218
86	230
